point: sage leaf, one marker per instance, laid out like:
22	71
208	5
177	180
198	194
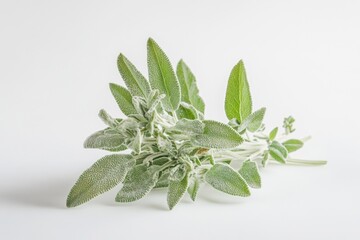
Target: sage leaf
217	135
106	140
249	171
224	178
189	89
163	181
134	80
176	190
193	188
188	127
123	98
105	174
278	152
238	103
273	133
293	145
138	182
186	110
107	119
162	76
253	121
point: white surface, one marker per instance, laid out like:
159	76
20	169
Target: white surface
57	57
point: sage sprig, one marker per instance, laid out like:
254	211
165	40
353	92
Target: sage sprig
169	144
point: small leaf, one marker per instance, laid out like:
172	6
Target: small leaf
107	119
188	111
278	152
106	140
163	181
193	188
138	182
273	134
189	89
162	76
249	171
253	121
123	99
217	135
222	177
293	145
177	189
134	80
105	174
238	103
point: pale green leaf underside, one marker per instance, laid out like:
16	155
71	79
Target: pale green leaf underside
176	191
217	135
134	80
193	188
253	121
249	171
238	103
293	145
105	174
162	76
106	140
189	89
123	98
278	152
224	178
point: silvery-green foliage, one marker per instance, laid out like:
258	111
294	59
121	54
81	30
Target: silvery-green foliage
169	143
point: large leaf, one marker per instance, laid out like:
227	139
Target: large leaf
134	80
217	135
138	182
249	171
176	191
278	152
123	98
189	89
222	177
293	145
162	76
238	102
106	139
253	121
105	174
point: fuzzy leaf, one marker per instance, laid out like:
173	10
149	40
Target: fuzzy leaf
188	127
193	188
224	178
278	152
217	135
105	174
189	89
162	76
163	181
107	119
253	121
123	98
176	191
134	80
138	182
249	171
273	133
187	111
293	145
106	140
238	103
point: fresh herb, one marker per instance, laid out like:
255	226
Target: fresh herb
169	143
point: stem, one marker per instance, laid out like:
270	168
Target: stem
306	162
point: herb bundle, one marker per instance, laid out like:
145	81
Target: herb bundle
170	144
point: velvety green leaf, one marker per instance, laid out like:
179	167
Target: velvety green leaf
217	135
188	127
163	181
238	103
253	121
105	174
293	145
193	188
273	134
249	171
106	140
134	80
189	89
123	98
278	152
162	76
187	111
138	182
107	119
224	178
176	190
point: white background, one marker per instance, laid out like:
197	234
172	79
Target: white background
57	58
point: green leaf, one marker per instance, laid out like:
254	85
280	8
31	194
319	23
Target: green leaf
189	89
123	98
105	174
163	181
106	140
176	191
217	135
278	152
238	103
273	133
293	145
249	171
134	80
188	127
107	119
162	76
224	178
193	188
138	182
253	121
188	111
